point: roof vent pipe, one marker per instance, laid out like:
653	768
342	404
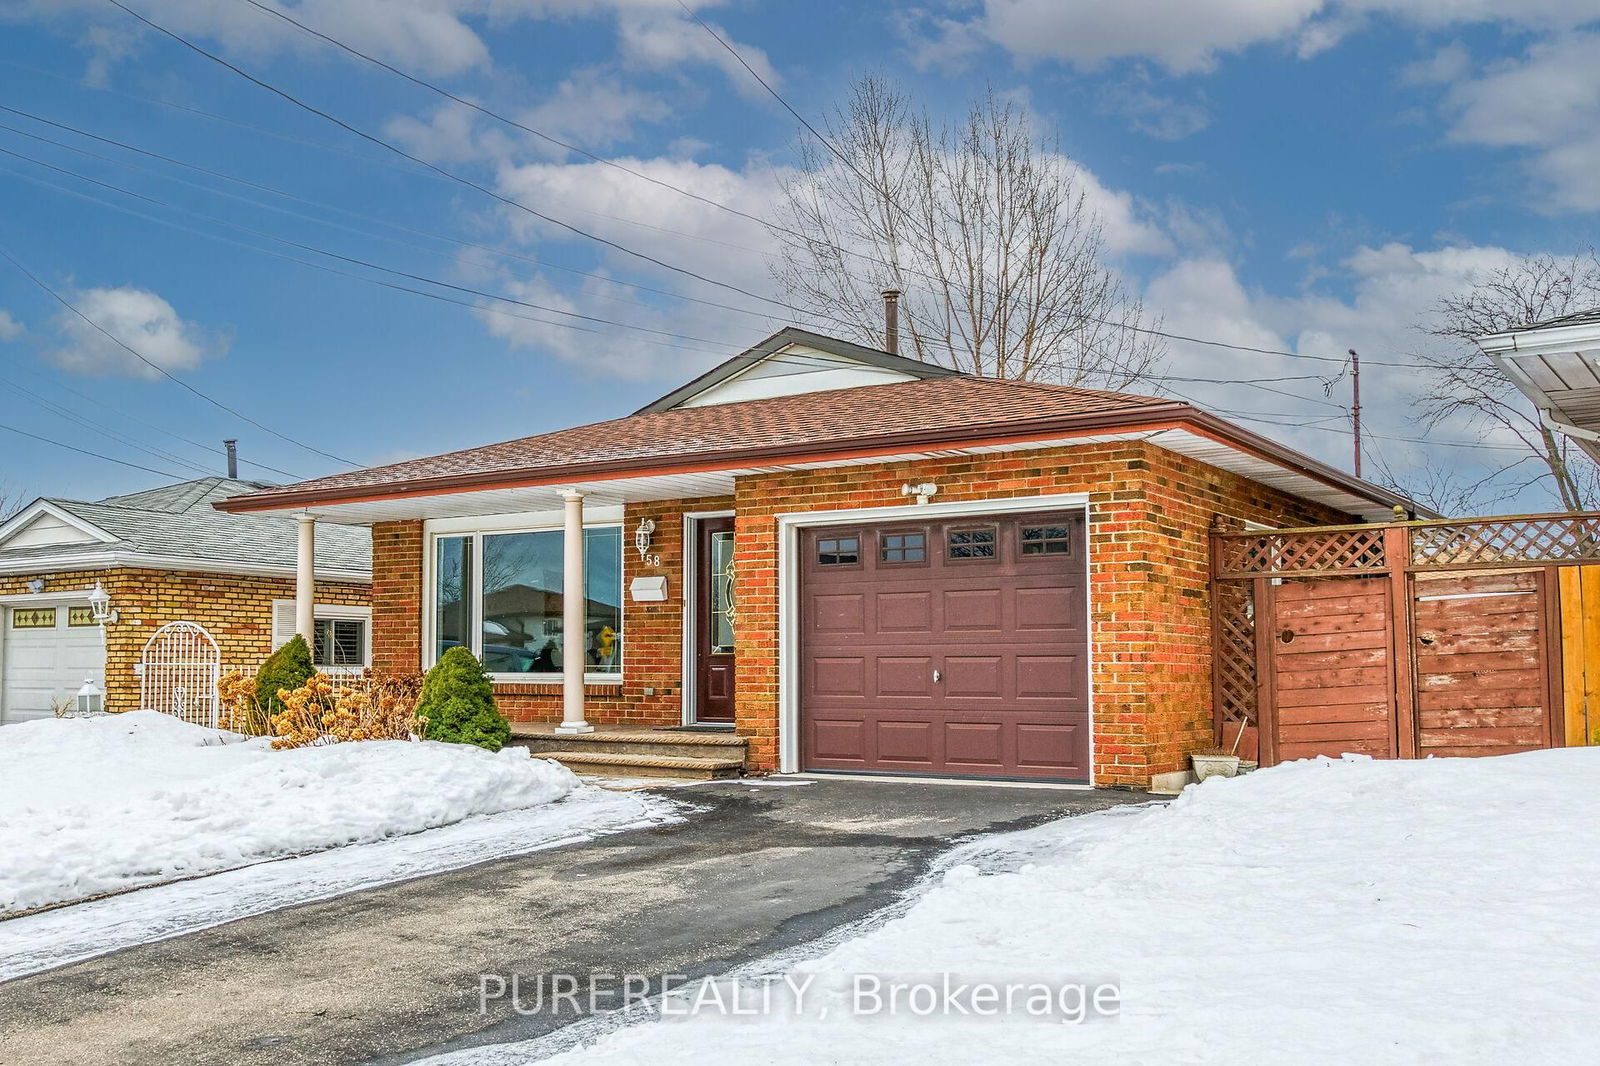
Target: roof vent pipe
233	459
891	321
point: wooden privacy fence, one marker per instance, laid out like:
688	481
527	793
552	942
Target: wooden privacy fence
1461	637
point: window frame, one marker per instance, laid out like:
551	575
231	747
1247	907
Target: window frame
1043	543
475	530
860	536
927	546
331	612
992	528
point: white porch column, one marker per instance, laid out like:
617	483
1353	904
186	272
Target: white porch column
305	580
574	617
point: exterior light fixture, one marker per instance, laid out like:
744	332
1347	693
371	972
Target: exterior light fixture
923	492
90	699
641	540
36	585
100	604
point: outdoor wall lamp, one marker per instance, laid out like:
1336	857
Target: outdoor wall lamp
923	492
641	540
100	604
36	585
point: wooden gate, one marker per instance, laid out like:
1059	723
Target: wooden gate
1474	637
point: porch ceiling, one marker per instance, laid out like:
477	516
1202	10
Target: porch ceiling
1557	366
643	489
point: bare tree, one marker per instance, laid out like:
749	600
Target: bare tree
983	226
1470	385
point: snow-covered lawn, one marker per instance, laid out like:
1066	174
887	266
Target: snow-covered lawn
100	805
1331	911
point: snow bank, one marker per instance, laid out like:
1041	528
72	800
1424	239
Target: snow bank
1325	911
95	805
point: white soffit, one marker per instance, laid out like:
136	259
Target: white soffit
1558	368
613	493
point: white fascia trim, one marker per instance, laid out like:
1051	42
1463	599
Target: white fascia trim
45	564
1559	340
518	522
69	596
788	530
38	507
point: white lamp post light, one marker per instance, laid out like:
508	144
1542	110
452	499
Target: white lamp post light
90	699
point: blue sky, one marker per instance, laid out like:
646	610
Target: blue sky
1300	174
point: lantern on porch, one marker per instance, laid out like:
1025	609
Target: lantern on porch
642	536
90	699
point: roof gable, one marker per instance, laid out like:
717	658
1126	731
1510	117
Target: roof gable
44	523
792	362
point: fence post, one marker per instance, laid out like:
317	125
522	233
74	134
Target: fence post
1266	676
1397	556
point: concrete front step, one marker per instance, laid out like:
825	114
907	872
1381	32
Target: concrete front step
543	740
622	764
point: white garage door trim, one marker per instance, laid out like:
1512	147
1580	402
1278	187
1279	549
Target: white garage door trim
93	659
789	526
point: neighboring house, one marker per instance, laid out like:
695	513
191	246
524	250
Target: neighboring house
857	561
1556	364
163	555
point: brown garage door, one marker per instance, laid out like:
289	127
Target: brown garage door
957	647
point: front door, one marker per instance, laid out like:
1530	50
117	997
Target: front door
714	622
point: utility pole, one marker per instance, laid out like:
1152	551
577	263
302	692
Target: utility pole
1355	408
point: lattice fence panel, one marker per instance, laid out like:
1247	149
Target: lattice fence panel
1507	541
1236	654
1305	552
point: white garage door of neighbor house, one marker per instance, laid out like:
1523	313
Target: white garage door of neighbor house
49	649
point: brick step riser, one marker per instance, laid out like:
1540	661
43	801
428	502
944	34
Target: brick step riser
682	773
627	747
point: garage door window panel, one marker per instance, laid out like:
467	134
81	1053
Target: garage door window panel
839	550
33	618
1047	540
973	544
903	547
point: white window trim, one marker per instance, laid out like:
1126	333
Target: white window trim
331	612
475	529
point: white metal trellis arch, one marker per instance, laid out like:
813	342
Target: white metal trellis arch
178	673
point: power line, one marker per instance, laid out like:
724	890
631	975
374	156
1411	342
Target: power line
225	176
485	190
72	416
63	301
85	451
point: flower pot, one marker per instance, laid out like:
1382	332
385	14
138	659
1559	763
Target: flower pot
1214	766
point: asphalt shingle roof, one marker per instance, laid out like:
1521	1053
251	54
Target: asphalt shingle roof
955	405
178	521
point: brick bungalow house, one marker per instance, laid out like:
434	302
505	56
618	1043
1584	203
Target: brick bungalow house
850	560
162	555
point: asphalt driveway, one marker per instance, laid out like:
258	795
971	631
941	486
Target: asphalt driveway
394	973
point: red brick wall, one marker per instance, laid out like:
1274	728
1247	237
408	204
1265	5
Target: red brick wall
651	690
1148	546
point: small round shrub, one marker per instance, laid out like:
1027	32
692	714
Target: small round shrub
458	703
288	668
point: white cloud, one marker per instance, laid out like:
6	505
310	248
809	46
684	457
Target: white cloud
138	318
1128	230
594	109
668	41
1547	101
1192	37
10	328
432	37
1391	291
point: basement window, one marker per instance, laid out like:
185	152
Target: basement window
839	551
